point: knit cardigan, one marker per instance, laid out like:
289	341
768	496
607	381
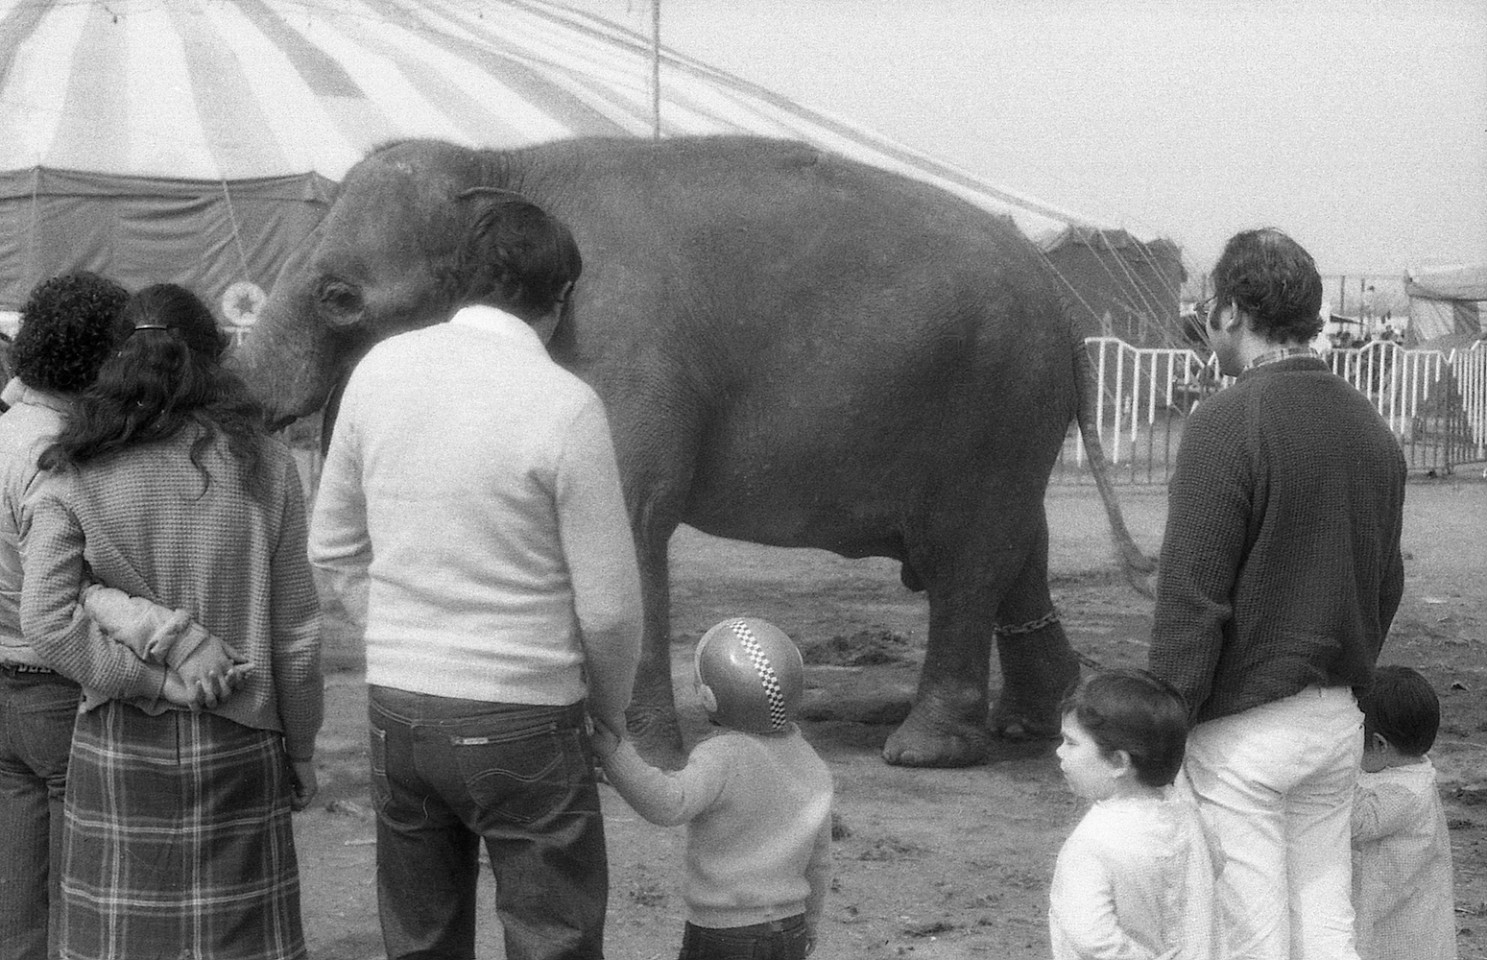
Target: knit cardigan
1280	566
144	521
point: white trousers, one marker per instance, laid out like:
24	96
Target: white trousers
1275	786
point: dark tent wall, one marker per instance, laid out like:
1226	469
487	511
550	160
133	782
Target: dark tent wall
223	239
1447	304
1121	286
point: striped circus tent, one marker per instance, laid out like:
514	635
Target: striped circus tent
199	140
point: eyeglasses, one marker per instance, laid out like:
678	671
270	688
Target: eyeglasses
1205	305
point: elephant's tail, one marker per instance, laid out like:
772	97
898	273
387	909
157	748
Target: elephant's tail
1140	570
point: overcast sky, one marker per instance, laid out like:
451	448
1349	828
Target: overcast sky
1359	126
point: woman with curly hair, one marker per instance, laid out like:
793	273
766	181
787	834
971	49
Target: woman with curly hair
164	485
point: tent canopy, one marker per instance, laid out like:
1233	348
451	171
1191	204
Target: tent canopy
199	141
1122	286
1446	303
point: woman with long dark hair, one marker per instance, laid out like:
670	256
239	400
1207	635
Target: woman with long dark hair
164	485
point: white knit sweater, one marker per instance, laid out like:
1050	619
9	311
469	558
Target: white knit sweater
470	495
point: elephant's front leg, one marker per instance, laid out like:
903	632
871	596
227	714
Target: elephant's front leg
651	718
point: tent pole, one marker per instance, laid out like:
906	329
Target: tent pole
655	69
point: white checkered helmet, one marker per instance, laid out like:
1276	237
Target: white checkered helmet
750	675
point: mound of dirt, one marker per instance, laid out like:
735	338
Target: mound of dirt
865	648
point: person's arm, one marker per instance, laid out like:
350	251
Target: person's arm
340	546
1381	810
1391	590
667	797
159	634
298	682
818	873
1202	549
599	548
51	618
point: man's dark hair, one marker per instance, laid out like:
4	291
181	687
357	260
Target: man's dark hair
1273	279
1401	706
518	257
69	326
1132	710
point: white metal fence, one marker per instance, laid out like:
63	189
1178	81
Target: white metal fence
1435	403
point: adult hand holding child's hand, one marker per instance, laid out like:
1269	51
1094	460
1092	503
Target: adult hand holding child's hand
606	739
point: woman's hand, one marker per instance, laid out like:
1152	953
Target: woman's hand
205	693
305	784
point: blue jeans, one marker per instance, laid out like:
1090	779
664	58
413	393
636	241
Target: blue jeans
449	773
37	713
779	940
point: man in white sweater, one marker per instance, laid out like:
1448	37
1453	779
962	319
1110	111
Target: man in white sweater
470	510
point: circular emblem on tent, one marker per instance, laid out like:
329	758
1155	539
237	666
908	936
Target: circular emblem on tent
241	303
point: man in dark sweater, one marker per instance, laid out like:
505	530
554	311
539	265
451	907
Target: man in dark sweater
1280	575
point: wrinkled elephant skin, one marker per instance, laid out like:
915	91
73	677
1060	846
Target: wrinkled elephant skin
793	350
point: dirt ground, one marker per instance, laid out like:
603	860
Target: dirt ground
930	863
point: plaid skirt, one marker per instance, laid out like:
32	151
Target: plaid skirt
178	841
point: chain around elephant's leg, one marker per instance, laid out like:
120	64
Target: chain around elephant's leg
1038	669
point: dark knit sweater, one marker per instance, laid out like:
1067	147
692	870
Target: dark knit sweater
1280	566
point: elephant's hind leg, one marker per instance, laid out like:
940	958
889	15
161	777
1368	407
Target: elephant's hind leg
970	598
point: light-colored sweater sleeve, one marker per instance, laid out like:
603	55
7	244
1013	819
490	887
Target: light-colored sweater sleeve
156	633
1382	810
340	546
599	548
667	797
818	874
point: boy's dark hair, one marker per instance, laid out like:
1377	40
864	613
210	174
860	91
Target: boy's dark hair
1132	710
68	328
1273	279
1401	706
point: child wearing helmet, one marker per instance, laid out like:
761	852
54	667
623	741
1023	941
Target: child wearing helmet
756	799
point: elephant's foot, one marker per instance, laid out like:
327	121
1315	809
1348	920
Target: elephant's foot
1016	727
1038	671
932	737
657	736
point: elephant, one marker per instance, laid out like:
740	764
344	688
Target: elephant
793	349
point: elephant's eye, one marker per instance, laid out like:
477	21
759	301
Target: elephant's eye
339	299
